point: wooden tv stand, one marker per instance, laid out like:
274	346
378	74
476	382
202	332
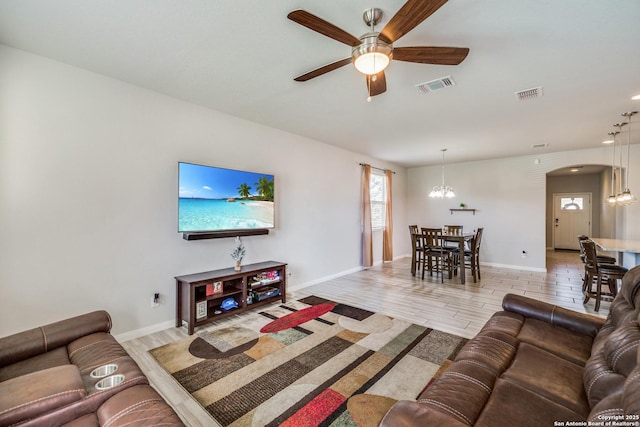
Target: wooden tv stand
199	295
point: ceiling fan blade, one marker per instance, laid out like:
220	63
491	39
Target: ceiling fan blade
377	86
410	15
323	27
323	70
431	54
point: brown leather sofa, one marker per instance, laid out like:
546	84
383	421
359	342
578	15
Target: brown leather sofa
536	364
49	377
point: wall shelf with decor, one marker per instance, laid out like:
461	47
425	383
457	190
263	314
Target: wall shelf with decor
200	297
462	210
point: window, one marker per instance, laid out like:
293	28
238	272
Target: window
378	202
572	203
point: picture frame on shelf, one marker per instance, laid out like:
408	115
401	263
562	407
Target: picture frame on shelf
217	287
201	310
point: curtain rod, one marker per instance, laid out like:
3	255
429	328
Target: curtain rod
380	169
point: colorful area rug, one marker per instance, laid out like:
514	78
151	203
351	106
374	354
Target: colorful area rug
311	362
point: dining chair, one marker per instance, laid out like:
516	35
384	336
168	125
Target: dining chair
471	256
433	250
474	254
455	230
599	272
416	248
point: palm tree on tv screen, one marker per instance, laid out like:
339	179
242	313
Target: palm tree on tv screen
265	188
244	190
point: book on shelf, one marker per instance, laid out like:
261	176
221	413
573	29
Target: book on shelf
214	288
266	292
267	277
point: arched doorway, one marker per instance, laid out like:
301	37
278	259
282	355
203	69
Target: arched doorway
577	181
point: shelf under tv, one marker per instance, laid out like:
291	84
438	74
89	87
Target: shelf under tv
201	235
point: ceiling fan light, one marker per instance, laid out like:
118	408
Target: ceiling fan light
371	63
372	55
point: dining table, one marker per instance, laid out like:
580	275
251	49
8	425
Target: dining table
628	247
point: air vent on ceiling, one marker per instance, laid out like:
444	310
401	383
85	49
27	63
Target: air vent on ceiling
436	84
539	145
532	93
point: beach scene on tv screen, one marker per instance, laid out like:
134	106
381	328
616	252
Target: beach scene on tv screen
212	199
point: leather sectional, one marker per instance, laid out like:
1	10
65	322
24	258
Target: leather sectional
536	364
51	376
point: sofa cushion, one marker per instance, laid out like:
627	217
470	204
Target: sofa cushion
513	405
550	376
89	420
50	359
37	393
562	342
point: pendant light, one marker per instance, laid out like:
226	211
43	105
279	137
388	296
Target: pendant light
611	200
442	191
619	195
627	197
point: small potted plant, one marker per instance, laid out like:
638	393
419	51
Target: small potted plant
462	206
238	253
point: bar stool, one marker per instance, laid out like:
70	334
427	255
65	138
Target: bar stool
602	259
599	272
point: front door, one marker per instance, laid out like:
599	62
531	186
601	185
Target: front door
571	217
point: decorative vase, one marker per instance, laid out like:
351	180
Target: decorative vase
238	267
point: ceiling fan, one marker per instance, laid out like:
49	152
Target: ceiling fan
372	52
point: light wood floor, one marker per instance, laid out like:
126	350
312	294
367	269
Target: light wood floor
390	289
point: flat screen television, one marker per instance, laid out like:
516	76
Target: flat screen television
213	199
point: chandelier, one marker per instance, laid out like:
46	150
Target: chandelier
442	191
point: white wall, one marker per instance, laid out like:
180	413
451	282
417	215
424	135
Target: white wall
509	195
88	196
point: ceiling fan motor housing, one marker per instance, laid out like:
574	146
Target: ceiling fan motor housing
372	55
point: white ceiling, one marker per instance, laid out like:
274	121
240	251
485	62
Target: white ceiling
240	57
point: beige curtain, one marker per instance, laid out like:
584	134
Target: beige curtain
367	242
387	236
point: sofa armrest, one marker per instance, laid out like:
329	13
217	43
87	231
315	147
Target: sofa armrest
33	342
139	405
407	413
581	323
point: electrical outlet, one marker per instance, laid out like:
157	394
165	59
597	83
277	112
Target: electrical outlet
524	254
155	300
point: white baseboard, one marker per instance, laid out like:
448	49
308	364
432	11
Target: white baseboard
323	279
137	333
515	267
